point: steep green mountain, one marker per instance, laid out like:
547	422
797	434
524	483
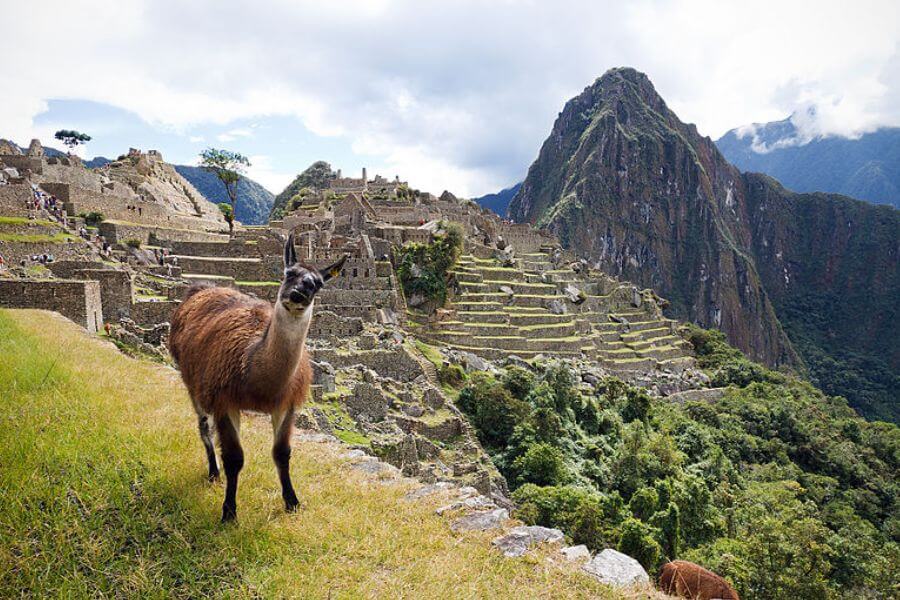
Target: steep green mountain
629	185
867	168
314	177
499	202
254	202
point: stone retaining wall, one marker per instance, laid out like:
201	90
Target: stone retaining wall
75	300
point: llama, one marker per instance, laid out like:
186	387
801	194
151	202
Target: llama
690	580
239	353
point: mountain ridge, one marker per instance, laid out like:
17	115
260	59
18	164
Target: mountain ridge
867	167
649	199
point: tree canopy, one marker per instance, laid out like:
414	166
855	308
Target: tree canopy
71	138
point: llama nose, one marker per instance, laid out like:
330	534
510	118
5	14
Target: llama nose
296	296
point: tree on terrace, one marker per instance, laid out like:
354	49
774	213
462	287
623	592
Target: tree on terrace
229	167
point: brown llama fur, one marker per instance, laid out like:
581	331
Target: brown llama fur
690	580
238	353
212	339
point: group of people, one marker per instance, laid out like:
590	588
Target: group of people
46	202
41	259
132	207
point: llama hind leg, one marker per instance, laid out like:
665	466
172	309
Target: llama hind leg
203	424
229	427
282	426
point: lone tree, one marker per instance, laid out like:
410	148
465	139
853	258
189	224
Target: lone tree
228	213
71	138
228	167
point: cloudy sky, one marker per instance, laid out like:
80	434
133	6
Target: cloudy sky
452	95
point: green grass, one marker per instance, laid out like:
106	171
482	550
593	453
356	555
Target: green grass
27	238
431	353
103	493
26	221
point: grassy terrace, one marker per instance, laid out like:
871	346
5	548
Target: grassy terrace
102	493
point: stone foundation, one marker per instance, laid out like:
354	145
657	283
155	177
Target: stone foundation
75	300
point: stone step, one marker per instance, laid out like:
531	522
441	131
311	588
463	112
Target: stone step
551	330
479	329
483	316
477	305
544	317
500	273
639	333
518	287
663	340
663	352
628	364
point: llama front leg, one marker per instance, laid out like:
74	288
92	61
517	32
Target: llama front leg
229	427
282	426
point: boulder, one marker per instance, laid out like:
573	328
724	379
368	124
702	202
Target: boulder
574	295
636	298
616	569
556	307
576	553
518	541
505	289
481	521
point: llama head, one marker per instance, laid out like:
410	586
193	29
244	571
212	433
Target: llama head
302	282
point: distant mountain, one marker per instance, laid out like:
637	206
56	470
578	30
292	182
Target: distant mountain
254	202
499	202
867	168
809	280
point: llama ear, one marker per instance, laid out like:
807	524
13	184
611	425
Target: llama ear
333	270
290	253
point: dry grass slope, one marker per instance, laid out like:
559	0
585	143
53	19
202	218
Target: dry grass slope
102	493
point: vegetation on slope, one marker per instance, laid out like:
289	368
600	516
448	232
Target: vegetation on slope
315	176
779	488
103	493
423	269
254	202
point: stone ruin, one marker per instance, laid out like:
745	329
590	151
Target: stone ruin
515	295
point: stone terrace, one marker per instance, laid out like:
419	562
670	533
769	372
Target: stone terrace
524	311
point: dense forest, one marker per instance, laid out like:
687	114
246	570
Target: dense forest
776	486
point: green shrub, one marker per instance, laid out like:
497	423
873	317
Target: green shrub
424	268
638	541
491	408
452	375
133	243
542	464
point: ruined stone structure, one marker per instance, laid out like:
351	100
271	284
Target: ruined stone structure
75	300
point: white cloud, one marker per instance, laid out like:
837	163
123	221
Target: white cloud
452	95
196	139
262	172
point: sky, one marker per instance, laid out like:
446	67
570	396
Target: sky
455	95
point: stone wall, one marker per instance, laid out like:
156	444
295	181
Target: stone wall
326	324
13	200
116	290
22	162
119	232
75	300
152	312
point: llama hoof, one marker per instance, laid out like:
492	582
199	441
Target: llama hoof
229	514
213	477
291	505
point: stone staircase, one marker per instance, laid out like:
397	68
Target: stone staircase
522	310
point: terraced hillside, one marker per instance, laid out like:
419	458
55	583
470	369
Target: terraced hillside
537	307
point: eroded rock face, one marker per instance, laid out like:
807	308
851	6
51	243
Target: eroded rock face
614	568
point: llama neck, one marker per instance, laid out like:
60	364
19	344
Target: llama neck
280	349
